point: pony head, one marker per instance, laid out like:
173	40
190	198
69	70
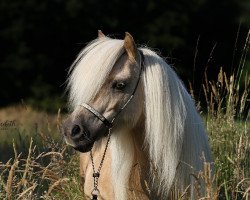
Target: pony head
102	80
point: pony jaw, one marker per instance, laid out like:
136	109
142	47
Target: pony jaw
84	149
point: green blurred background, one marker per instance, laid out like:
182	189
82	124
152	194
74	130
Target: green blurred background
40	39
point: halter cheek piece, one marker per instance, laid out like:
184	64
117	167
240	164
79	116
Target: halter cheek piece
106	122
109	124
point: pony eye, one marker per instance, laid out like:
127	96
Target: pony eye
119	85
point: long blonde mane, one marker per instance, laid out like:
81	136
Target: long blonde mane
175	136
91	68
174	130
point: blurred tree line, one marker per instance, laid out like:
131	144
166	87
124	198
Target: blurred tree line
40	39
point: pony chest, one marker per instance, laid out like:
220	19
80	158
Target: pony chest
105	180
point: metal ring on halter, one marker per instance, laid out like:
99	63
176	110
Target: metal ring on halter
98	115
95	191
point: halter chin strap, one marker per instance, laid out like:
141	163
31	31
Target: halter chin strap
107	123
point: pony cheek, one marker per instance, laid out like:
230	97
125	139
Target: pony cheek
94	127
98	132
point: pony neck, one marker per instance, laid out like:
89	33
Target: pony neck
130	162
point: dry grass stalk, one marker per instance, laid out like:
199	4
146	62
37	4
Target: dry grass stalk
21	195
56	184
183	195
246	194
27	162
43	154
10	180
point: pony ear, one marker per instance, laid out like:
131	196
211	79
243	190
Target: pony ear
130	46
100	34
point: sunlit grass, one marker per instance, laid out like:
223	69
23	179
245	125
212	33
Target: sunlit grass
43	168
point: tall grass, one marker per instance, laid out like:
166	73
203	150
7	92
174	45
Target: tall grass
228	126
227	123
47	169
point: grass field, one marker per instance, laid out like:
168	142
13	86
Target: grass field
36	164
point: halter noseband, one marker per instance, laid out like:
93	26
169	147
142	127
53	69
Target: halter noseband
106	122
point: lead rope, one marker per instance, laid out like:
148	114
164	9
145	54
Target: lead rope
96	174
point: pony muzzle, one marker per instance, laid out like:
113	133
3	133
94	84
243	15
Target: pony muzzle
83	130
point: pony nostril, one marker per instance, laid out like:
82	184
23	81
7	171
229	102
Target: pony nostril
75	130
82	138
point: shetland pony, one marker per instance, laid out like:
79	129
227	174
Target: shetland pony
133	98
